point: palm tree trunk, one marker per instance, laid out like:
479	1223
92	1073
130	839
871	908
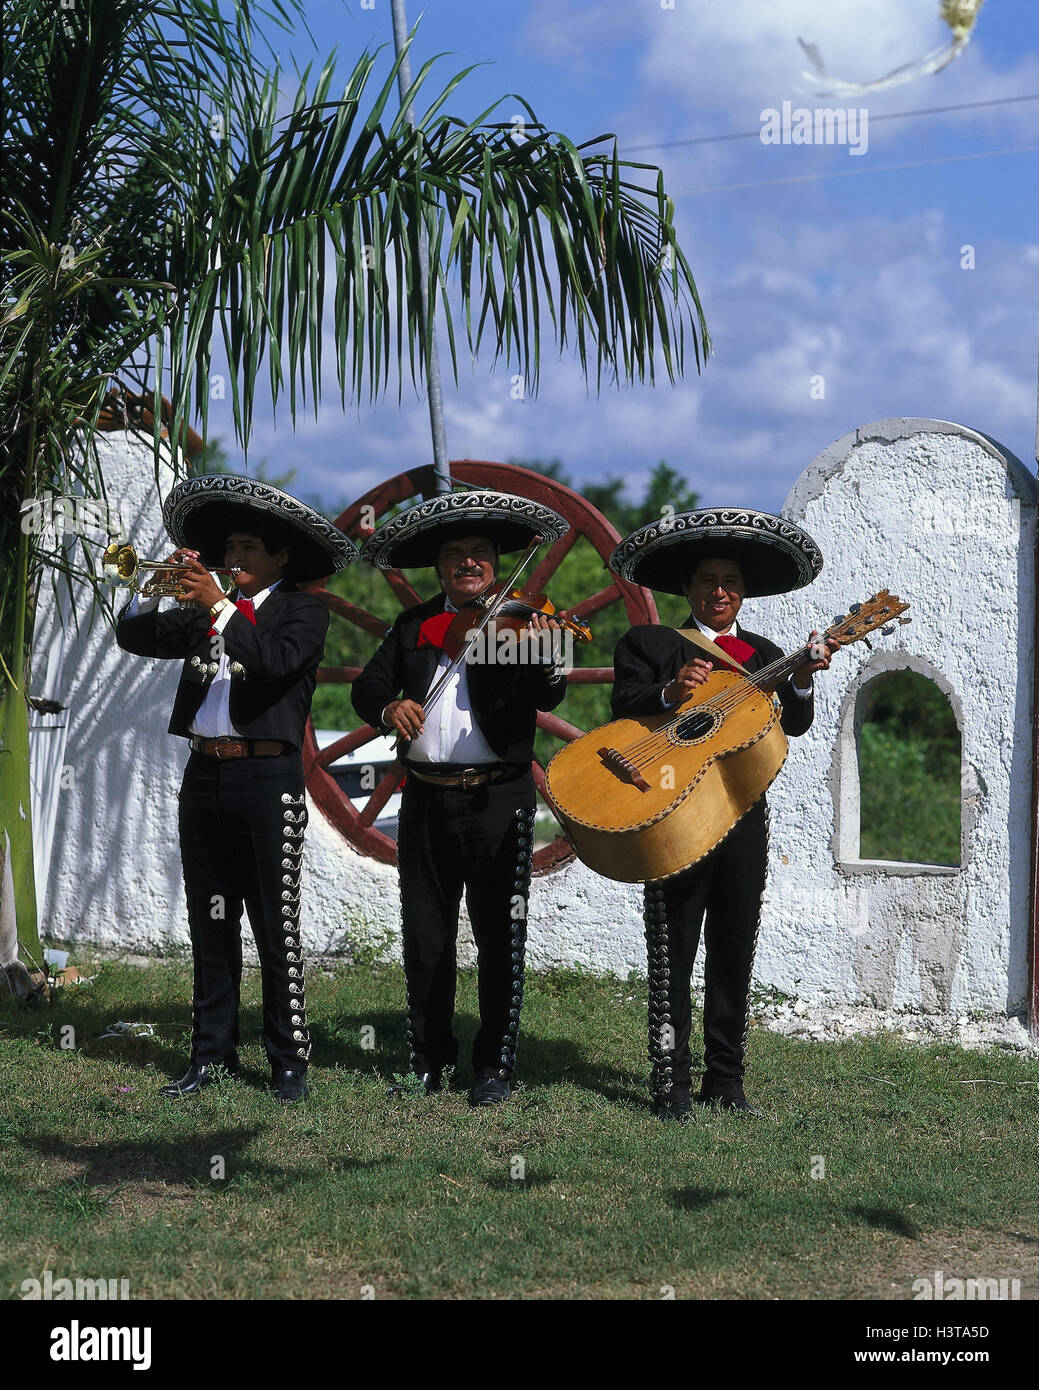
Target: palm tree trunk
18	895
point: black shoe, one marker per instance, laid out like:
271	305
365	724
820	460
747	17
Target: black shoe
673	1105
727	1095
489	1090
290	1085
198	1076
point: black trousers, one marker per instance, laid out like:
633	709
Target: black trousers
241	844
726	887
480	841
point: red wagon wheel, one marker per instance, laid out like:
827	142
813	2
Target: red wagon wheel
359	521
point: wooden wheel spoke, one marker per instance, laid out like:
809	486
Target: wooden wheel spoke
360	617
386	786
553	558
559	728
358	828
338	675
349	743
587	607
402	590
591	675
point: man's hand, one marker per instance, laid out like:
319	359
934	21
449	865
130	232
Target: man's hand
802	675
540	623
692	674
197	584
406	716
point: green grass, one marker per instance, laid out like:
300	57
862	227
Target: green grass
413	1197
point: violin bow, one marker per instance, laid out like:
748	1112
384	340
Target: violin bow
488	613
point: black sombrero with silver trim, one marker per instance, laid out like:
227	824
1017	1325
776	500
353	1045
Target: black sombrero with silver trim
774	555
414	537
201	512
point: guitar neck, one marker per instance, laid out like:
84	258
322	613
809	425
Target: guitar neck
772	677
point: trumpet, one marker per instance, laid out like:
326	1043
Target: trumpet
121	565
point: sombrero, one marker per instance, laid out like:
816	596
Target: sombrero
414	537
773	554
200	513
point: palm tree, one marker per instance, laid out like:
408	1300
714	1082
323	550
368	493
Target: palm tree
160	184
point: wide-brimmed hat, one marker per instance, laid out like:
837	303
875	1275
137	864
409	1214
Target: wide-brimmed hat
200	513
413	538
773	554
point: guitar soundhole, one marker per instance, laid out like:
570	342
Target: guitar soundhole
695	726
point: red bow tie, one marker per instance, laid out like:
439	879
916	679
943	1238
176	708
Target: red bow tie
246	607
739	650
434	633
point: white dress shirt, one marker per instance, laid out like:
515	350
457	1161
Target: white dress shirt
451	734
213	718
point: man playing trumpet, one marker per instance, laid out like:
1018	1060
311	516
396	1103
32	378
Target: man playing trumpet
243	701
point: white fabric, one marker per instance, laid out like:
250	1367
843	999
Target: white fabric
452	734
213	719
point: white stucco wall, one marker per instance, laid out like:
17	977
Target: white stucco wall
930	510
946	519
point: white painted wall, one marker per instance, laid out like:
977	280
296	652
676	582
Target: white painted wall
929	509
946	519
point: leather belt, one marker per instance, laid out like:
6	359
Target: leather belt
467	777
237	747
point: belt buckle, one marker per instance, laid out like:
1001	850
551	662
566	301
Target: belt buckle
221	743
469	779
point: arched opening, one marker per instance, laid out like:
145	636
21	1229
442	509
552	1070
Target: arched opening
909	771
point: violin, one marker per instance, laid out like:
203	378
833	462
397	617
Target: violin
516	611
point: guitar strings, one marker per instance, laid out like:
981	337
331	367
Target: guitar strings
644	751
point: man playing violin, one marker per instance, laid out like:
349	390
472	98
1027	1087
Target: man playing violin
467	811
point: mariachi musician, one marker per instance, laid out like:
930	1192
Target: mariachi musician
465	736
716	559
250	659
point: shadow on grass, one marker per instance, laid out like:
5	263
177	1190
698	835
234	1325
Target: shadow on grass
540	1061
696	1198
164	1160
886	1219
336	1043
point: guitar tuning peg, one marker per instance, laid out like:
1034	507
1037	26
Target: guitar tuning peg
887	631
839	618
868	643
854	607
903	621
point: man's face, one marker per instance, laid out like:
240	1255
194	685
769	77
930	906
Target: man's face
258	568
465	567
715	593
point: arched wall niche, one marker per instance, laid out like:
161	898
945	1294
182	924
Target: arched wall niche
845	774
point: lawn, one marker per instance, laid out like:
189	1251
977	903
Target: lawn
877	1162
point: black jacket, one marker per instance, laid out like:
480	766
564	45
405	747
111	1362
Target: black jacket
647	657
505	699
281	654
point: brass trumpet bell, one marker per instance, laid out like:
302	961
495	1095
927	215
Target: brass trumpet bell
121	565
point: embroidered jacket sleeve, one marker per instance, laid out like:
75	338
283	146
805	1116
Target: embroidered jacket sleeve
169	634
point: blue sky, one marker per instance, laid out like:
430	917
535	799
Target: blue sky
855	278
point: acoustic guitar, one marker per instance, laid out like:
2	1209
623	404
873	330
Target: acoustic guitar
642	799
